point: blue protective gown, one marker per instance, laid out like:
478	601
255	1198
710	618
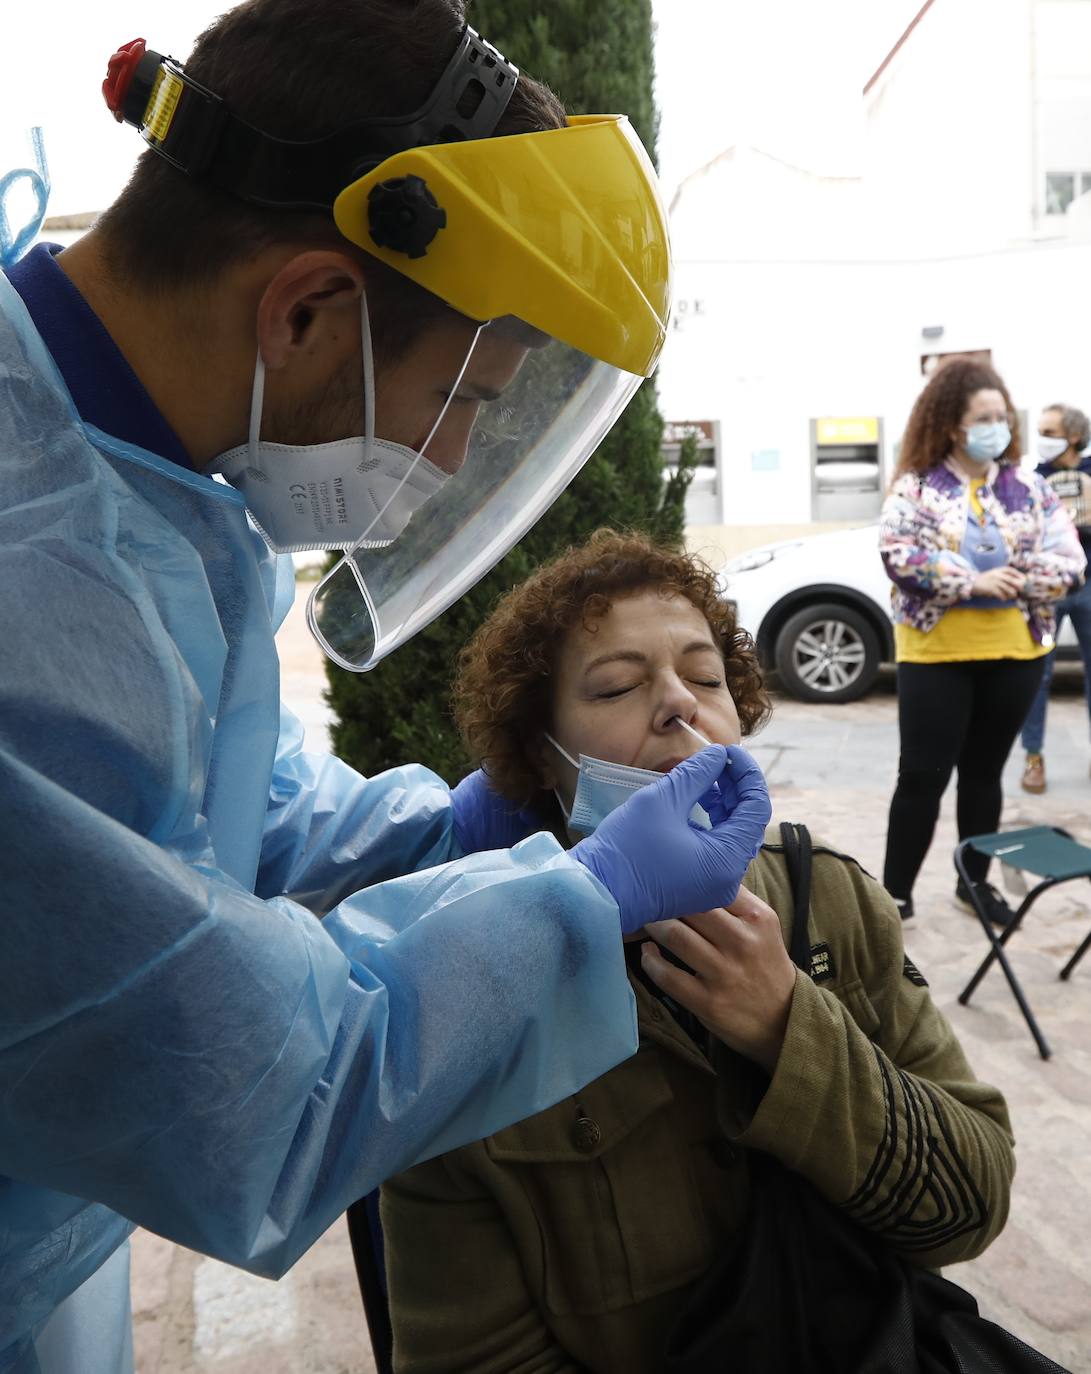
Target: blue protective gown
183	1045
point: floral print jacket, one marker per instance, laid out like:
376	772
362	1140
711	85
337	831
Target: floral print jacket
920	535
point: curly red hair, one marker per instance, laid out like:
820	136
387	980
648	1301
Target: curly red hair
503	686
939	410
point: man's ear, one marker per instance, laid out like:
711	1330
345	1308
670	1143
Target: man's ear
308	296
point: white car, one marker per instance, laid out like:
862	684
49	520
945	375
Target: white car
819	610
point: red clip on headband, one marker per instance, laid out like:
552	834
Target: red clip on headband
119	75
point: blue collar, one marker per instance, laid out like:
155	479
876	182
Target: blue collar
106	391
1051	468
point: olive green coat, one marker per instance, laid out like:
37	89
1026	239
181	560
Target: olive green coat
570	1241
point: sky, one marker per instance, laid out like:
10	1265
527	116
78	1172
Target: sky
785	74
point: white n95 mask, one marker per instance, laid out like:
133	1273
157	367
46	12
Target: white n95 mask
350	493
603	786
321	496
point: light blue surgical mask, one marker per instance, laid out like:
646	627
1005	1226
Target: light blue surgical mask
985	442
603	786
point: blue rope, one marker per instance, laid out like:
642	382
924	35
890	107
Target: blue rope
14	244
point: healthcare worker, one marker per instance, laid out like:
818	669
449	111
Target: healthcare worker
355	218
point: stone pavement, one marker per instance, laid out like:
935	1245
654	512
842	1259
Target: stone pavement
832	767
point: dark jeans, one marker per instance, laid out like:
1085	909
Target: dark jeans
953	714
1076	608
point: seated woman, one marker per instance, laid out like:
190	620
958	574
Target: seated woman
573	1239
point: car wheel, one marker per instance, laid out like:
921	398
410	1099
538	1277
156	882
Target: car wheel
827	652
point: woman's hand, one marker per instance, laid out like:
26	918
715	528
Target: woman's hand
1003	584
743	978
655	862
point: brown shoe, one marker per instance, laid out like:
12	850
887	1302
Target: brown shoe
1034	774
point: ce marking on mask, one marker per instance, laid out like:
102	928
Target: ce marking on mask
324	500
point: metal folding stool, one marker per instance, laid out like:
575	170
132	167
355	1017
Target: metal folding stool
1053	855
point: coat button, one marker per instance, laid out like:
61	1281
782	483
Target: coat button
586	1135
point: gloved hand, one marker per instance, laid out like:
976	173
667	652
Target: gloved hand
485	820
656	864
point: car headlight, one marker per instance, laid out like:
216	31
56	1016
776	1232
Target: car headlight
756	558
747	562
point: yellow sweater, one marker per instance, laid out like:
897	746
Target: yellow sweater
969	633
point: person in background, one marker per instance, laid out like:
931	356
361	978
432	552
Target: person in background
1064	446
574	1240
979	553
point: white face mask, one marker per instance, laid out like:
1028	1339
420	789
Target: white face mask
339	495
603	786
1050	448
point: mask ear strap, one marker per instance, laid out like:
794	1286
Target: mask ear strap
369	419
454	389
563	752
565	755
367	350
257	395
257	401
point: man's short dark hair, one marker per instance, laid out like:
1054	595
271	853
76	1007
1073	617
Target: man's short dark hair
298	69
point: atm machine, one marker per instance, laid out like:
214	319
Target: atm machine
846	468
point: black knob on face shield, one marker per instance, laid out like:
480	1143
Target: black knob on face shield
404	215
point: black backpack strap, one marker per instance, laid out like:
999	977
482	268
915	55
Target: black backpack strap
797	855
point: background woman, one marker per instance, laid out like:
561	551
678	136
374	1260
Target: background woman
979	553
573	1240
1064	433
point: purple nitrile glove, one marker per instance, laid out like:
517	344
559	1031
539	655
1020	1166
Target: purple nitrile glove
656	864
485	820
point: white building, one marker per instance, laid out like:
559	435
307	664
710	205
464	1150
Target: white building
816	275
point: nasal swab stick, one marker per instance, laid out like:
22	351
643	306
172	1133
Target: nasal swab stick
695	733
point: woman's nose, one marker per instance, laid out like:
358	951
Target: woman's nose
676	700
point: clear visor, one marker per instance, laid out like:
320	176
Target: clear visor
522	450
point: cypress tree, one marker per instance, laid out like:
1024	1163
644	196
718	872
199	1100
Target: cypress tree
599	59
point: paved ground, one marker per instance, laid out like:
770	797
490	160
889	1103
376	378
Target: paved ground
832	767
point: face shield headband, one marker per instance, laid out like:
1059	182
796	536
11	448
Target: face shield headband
192	128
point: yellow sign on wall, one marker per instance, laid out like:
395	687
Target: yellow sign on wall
852	429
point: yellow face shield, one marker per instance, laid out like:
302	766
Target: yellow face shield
564	230
557	244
